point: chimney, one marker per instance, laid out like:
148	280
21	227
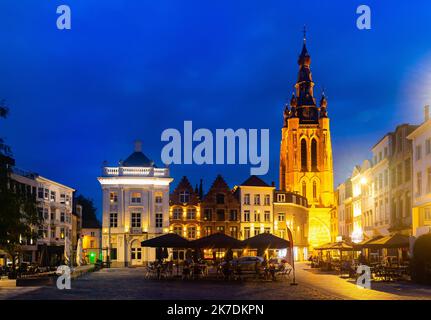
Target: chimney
427	113
138	146
272	184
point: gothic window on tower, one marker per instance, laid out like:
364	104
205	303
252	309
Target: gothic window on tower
314	190
314	154
303	155
304	189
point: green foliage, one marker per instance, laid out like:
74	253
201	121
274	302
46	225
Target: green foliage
4	110
18	211
421	263
88	210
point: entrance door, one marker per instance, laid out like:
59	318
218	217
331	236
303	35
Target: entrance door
136	253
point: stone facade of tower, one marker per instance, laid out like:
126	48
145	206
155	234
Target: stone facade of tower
306	153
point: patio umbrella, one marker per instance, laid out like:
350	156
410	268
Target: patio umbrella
266	241
169	240
79	253
217	241
393	241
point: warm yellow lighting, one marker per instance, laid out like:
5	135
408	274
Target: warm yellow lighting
364	181
165	230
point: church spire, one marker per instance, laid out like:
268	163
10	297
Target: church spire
306	103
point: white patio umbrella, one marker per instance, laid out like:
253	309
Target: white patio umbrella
66	250
79	253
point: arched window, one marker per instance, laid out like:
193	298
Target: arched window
313	154
314	190
303	155
304	189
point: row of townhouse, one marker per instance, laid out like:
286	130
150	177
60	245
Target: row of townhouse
61	221
137	206
390	193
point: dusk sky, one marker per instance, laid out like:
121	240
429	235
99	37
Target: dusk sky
130	69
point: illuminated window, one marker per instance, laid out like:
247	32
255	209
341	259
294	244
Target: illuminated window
136	197
191	213
191	232
233	232
208	231
178	230
177	214
220	229
113	197
256	216
53	197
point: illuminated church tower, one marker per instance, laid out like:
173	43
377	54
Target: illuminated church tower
306	152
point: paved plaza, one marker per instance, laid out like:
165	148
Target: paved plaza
130	283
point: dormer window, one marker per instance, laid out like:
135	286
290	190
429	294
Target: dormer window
184	197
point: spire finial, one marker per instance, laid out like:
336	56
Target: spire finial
305	33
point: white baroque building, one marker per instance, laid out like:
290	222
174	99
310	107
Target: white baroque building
135	208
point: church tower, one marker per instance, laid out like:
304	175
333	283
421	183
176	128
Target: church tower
306	152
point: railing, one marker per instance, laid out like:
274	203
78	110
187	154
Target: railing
136	171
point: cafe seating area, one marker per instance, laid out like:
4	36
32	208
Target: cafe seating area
219	257
387	258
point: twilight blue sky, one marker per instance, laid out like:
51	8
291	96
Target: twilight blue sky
130	69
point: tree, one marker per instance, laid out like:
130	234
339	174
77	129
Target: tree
89	218
18	209
4	110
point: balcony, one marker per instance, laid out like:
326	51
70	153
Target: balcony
135	172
